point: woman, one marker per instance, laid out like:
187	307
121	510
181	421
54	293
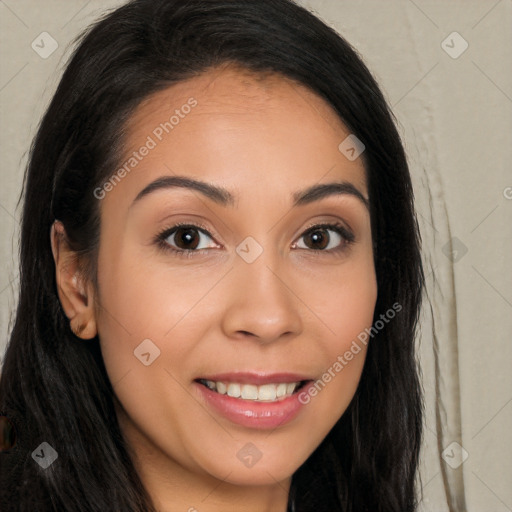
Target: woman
220	274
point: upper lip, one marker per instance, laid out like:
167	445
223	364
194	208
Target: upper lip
255	378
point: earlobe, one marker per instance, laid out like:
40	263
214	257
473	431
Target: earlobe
86	330
76	296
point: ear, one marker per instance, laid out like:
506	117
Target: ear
75	293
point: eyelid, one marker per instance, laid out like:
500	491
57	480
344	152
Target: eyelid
331	223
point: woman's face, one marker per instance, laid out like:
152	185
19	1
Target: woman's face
253	301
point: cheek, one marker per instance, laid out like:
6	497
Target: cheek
143	308
344	303
147	339
343	299
150	297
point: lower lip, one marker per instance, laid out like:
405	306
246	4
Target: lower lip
252	414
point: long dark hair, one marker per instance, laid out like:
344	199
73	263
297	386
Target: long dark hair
54	386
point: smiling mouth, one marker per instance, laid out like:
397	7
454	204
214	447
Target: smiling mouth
264	393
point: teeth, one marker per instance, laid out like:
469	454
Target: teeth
265	393
234	390
281	390
210	384
249	392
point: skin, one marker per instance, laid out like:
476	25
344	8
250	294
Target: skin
294	309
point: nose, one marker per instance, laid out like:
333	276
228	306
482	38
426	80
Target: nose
261	304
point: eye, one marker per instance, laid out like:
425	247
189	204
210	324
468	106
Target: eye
318	238
184	239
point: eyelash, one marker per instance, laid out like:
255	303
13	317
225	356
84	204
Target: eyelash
160	239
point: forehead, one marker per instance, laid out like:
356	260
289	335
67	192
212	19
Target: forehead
230	89
243	128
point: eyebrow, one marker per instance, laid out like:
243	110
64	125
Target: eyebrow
223	197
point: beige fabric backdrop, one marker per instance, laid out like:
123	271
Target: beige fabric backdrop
452	96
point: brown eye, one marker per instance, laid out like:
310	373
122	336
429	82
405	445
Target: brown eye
317	239
329	237
186	238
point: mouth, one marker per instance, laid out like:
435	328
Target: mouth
253	400
271	392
